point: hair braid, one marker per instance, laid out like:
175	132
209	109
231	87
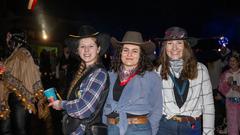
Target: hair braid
80	72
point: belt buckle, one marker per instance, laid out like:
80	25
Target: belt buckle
117	120
178	119
132	120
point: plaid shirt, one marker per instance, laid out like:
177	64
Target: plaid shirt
199	100
85	105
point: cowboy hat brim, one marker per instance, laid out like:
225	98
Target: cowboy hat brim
85	36
148	46
192	40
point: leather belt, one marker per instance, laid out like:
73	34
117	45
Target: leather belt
185	118
131	120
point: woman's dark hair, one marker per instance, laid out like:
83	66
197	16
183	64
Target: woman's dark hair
145	64
189	65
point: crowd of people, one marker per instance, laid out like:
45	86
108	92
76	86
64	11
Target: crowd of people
128	93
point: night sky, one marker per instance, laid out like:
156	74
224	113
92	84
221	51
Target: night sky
201	18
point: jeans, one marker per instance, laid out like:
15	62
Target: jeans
171	127
133	129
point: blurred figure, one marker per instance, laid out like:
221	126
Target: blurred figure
20	87
63	70
215	64
229	86
188	106
45	68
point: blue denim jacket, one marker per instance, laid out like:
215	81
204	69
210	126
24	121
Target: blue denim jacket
142	95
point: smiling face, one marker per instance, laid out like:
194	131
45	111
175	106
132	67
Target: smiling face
174	49
130	56
88	50
233	63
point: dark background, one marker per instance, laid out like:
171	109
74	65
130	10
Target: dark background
201	18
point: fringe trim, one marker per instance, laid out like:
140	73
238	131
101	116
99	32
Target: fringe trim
28	104
4	113
26	98
23	99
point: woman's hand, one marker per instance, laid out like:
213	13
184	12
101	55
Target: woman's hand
57	104
230	80
236	88
2	68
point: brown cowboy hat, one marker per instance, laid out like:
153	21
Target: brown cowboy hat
135	38
86	31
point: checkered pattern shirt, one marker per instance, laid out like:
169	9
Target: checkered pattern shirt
199	100
85	105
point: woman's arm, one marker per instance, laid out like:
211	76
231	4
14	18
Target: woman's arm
208	104
156	101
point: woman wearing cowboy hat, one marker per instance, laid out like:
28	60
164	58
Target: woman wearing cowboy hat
134	103
187	90
89	84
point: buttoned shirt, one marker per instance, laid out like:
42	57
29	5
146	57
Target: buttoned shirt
199	99
89	96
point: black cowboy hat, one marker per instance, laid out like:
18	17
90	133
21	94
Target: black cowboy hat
86	31
133	37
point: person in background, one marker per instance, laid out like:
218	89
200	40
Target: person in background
134	103
89	83
20	87
63	69
215	65
187	90
229	86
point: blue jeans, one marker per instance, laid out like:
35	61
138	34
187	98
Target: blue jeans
133	129
171	127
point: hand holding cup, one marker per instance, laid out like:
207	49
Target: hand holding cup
50	94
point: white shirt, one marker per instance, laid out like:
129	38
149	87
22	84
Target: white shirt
199	99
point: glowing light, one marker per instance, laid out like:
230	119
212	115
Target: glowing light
223	41
44	35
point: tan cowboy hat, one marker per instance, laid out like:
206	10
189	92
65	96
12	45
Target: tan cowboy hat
135	38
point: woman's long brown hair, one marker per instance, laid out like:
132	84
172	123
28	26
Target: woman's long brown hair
189	65
144	61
